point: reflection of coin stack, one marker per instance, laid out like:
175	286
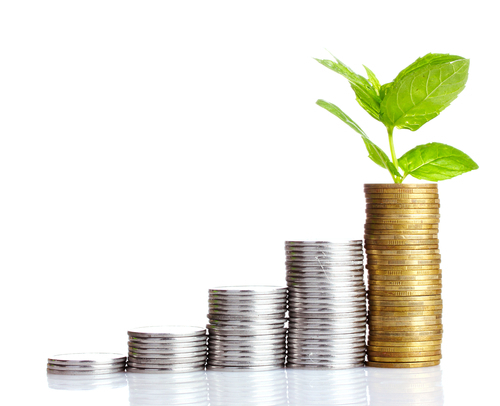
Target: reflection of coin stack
340	387
413	387
189	388
327	304
246	329
92	363
166	349
86	382
403	262
247	388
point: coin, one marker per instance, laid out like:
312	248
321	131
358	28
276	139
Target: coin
403	318
88	367
405	359
402	364
431	232
406	302
376	287
404	270
102	371
167	331
400	186
179	369
172	347
405	313
412	355
409	244
403	278
385	282
244	368
88	358
405	344
405	349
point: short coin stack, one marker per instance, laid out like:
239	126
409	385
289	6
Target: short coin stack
403	262
165	349
327	304
247	328
92	363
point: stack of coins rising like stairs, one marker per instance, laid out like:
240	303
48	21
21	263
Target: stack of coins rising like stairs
246	330
326	303
404	275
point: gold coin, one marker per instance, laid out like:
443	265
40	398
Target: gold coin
401	364
415	335
402	227
415	278
402	221
409	322
373	195
405	359
403	262
376	328
402	339
398	282
402	318
398	288
403	216
387	349
408	310
400	206
383	189
387	354
407	313
404	256
432	231
401	252
402	201
400	185
404	270
405	344
401	211
400	242
370	246
402	237
404	293
418	299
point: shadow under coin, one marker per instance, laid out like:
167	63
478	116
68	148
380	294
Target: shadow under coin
405	387
189	388
327	387
86	382
263	388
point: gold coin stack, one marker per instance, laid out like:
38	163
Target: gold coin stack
404	275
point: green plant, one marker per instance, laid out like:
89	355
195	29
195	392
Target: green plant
418	94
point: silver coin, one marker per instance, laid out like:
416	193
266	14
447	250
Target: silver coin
248	289
296	267
169	356
185	341
247	303
323	310
323	300
307	366
249	313
244	368
242	363
171	347
168	350
246	347
307	349
247	358
190	363
93	367
248	338
87	358
322	243
167	331
186	358
244	323
330	331
247	317
245	331
100	371
246	308
239	352
321	258
346	278
318	358
329	323
325	263
164	370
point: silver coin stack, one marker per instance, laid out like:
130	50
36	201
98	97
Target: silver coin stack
246	329
92	363
327	304
167	349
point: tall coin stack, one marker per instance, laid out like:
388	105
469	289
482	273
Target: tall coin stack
326	303
166	349
403	262
246	329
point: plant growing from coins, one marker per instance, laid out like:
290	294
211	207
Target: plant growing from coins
417	95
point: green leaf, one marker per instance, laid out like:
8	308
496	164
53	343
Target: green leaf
373	79
435	162
423	93
375	153
429	59
366	95
332	108
384	89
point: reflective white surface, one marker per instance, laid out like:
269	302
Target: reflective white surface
355	387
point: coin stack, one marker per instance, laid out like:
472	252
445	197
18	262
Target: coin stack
165	349
92	363
327	304
404	275
246	328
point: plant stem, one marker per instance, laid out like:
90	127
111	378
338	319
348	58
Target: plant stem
393	152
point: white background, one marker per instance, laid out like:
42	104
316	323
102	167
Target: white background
153	149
